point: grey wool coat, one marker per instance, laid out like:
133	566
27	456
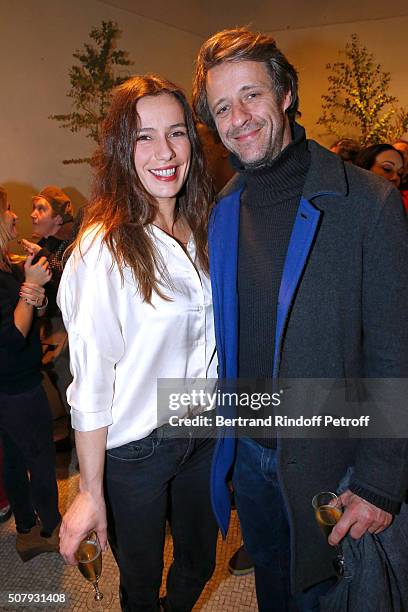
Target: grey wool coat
347	320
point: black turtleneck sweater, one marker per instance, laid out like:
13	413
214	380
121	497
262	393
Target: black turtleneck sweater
268	209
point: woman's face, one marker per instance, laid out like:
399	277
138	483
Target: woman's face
389	165
11	222
163	151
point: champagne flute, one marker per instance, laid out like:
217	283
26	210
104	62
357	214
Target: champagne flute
328	512
89	557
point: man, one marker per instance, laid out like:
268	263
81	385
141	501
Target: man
52	219
402	146
53	222
309	265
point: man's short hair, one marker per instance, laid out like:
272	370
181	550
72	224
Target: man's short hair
239	45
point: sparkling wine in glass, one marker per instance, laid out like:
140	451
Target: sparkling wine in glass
89	557
328	512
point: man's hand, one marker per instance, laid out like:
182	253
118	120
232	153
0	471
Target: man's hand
86	514
358	517
30	247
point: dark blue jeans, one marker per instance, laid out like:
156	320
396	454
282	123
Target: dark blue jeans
265	530
26	430
147	482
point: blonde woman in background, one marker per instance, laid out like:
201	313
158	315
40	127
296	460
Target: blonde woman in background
25	419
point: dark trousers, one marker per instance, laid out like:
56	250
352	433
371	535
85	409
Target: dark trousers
265	529
26	431
3	496
148	481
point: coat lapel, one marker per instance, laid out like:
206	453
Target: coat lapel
300	244
223	251
223	247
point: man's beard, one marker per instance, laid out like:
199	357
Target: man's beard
265	162
272	151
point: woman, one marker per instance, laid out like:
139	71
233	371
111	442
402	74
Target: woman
384	160
25	420
136	300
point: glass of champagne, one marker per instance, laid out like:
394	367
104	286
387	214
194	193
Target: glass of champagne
89	557
328	512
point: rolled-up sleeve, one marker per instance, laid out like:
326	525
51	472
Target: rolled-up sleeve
88	298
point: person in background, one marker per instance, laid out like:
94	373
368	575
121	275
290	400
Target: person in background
25	419
346	148
402	146
136	300
5	508
216	157
53	222
384	160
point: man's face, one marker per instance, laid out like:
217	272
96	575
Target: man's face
45	223
249	119
401	146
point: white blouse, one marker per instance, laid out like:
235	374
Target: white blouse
120	345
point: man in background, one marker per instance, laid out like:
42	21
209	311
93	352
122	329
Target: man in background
53	223
402	145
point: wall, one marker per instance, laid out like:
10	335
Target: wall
310	49
37	39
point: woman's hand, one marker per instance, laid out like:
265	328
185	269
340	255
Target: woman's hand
39	273
86	514
32	294
30	247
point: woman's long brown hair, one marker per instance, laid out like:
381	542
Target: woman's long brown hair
122	207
